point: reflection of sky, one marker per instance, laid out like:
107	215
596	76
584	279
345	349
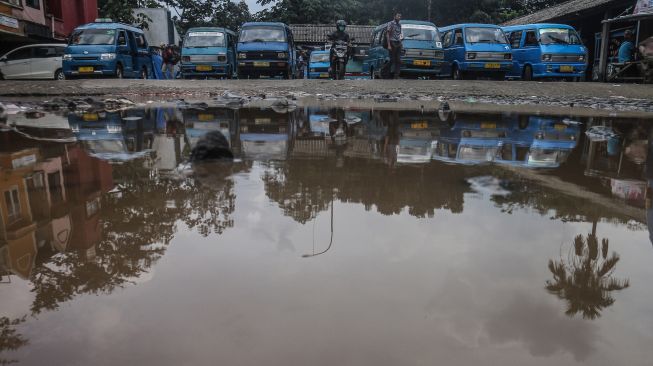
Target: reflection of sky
393	290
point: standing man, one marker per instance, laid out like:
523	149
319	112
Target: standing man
168	68
394	36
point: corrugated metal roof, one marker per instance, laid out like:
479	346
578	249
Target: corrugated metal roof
561	10
317	34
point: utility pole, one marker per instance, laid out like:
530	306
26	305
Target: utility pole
428	9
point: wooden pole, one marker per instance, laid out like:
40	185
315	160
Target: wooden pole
605	48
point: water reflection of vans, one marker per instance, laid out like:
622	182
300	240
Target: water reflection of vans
422	51
107	49
263	133
266	49
540	142
101	134
208	52
471	140
546	51
199	122
418	135
473	50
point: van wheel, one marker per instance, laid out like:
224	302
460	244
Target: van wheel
456	74
59	75
528	73
119	72
144	74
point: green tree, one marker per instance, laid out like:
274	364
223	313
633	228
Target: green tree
122	11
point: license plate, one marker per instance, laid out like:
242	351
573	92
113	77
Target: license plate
203	68
262	121
419	125
492	66
422	62
205	117
90	117
324	75
86	69
566	69
488	125
560	127
261	64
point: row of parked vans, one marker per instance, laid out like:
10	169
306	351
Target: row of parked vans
105	48
483	50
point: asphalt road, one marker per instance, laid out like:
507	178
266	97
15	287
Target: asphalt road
624	99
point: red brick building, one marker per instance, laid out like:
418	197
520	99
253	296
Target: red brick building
42	21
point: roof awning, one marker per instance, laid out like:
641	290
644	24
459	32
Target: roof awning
630	18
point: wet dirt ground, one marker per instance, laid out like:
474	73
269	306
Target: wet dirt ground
529	97
349	236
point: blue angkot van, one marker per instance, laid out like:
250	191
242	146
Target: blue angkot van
208	52
422	51
318	65
106	48
546	51
472	50
266	49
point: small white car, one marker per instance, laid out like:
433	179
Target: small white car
35	61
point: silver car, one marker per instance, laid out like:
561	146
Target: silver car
36	61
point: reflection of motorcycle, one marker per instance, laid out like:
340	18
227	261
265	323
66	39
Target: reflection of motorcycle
340	55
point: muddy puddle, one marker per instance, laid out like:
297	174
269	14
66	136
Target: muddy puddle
332	237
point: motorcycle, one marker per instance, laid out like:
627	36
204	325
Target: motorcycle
340	54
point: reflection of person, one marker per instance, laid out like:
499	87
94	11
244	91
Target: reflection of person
649	188
627	48
168	68
394	35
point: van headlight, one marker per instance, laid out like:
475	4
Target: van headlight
67	57
242	56
546	57
282	55
471	55
107	56
581	58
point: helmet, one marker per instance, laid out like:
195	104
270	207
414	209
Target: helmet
341	25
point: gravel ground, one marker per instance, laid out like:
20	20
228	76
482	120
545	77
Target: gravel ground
598	98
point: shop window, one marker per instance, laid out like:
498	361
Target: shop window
13	204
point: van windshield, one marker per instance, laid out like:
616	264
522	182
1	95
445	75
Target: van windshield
204	39
485	35
420	32
558	36
262	34
94	36
320	57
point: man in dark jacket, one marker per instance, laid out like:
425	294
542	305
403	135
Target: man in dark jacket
339	35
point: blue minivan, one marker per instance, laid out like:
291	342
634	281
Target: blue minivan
208	52
318	65
422	51
472	50
106	48
546	51
266	49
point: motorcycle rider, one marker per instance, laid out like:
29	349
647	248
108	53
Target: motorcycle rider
339	35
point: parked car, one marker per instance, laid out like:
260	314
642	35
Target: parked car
105	48
422	51
473	50
208	52
266	49
546	51
38	61
318	65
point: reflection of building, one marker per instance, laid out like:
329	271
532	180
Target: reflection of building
17	226
87	178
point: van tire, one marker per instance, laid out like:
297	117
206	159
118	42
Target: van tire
59	75
456	74
119	72
528	73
